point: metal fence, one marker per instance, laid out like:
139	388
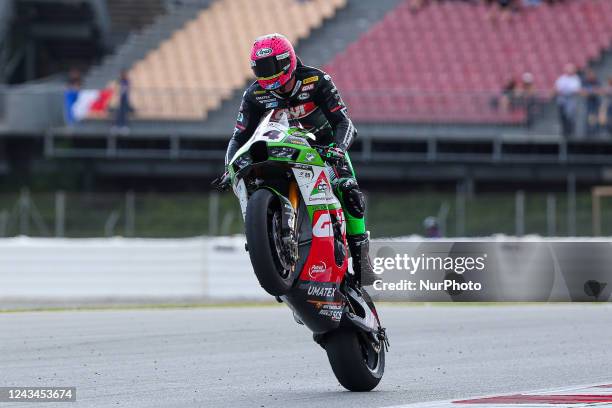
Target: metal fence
158	215
40	107
381	105
129	214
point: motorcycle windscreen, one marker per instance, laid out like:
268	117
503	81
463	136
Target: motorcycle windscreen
270	128
282	119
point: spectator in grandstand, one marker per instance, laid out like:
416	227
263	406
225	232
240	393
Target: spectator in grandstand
524	96
590	90
432	229
526	88
74	78
507	95
567	87
125	107
518	95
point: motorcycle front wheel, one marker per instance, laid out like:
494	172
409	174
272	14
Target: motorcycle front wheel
263	234
357	362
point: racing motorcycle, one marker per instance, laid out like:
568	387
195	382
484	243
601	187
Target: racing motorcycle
296	239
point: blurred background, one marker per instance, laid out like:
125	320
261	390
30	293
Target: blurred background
474	117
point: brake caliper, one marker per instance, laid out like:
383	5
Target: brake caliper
382	337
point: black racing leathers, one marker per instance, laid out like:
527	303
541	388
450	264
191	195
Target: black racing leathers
317	106
314	102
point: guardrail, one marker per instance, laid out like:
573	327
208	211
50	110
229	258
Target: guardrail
117	269
43	269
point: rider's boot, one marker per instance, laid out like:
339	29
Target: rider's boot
359	246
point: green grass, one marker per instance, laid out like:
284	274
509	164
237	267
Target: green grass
485	213
389	214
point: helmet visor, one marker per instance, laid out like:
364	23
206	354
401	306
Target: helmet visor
271	67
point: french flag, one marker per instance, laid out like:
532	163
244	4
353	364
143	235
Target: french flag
86	103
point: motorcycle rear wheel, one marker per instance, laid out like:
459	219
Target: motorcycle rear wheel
262	224
357	365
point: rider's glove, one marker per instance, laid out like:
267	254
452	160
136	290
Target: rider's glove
222	183
334	153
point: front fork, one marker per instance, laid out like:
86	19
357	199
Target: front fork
294	196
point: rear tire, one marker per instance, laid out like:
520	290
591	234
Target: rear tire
353	366
261	227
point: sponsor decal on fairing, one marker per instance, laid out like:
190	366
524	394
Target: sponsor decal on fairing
296	140
303	176
315	189
322	250
320	189
321	291
334	311
318	268
323	228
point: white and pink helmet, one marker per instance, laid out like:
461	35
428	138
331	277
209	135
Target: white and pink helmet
273	60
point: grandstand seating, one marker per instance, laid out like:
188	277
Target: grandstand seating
448	61
204	62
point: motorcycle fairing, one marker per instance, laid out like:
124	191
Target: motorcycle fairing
315	298
315	186
240	191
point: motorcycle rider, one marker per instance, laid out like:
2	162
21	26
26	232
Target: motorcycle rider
309	96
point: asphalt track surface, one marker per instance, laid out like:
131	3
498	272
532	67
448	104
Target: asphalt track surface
258	357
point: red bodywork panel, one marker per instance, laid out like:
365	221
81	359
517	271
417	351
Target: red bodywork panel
321	265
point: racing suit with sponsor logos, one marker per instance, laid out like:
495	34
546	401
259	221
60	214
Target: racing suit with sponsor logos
317	105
